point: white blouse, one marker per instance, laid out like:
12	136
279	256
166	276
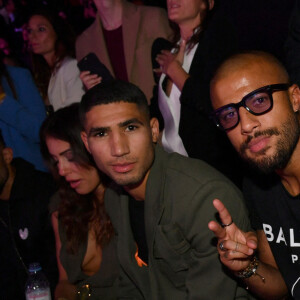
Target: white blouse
170	110
65	86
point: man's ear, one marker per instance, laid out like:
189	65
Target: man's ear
154	125
8	155
294	93
85	140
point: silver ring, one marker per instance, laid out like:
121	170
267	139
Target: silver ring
236	246
225	225
221	246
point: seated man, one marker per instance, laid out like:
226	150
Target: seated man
25	226
160	204
259	110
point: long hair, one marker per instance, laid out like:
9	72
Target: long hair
77	213
64	46
4	74
197	30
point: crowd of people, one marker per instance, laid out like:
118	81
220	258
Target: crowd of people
148	149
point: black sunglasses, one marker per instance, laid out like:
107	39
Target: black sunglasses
257	102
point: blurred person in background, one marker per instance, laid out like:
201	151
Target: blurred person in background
90	10
26	235
202	39
121	36
8	11
8	58
21	113
52	42
13	56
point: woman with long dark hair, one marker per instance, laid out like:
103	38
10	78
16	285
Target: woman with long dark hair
52	43
84	234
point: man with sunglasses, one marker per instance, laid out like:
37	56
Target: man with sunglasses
258	109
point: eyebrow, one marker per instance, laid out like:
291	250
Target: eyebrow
120	125
130	121
61	153
64	152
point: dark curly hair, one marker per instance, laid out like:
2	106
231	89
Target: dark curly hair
64	46
77	213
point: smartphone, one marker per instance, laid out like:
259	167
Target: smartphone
92	63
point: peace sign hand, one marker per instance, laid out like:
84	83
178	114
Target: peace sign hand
235	247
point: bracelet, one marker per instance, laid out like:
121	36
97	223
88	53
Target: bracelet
251	270
2	96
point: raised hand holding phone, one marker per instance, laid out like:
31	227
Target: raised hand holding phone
93	71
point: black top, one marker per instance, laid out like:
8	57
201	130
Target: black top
200	137
275	211
26	233
137	222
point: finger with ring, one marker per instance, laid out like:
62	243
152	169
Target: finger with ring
226	225
236	246
221	246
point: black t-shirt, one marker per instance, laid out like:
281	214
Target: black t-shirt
275	211
137	222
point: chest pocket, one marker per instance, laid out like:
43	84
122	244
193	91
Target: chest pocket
172	253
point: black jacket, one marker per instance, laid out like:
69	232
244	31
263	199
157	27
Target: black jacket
26	233
199	135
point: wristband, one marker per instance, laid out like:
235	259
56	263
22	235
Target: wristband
251	270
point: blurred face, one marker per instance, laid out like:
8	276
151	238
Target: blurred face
10	6
4	47
120	137
24	32
42	36
3	171
188	11
82	180
266	141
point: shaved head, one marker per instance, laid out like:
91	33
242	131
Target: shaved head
243	61
268	140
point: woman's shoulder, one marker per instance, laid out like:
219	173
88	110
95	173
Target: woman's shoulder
17	71
68	60
69	65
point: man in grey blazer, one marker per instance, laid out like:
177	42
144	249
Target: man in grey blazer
160	203
122	36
